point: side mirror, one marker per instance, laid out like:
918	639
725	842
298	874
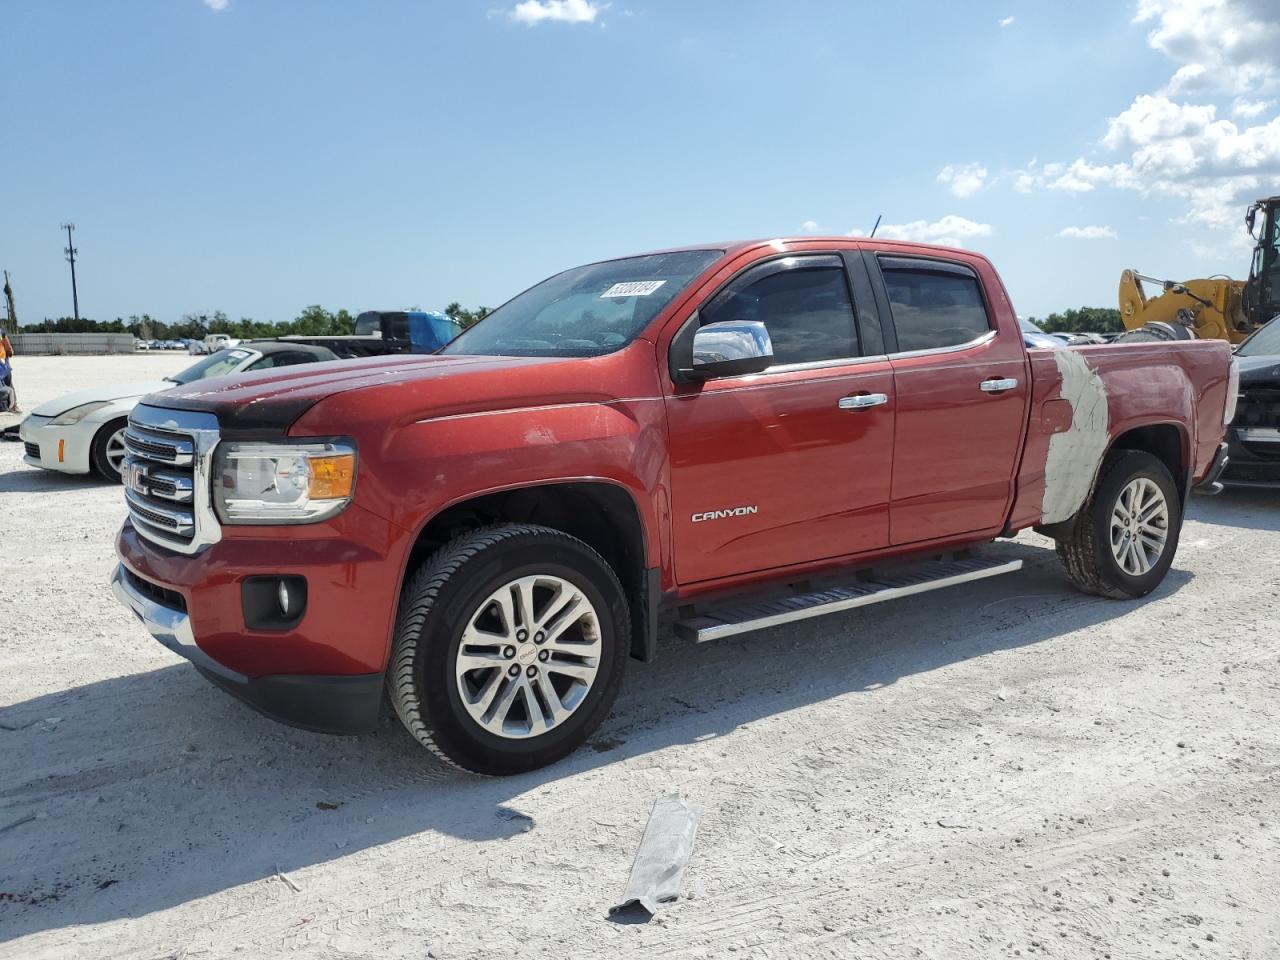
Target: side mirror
731	348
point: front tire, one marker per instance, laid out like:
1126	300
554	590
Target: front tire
1123	541
107	451
509	649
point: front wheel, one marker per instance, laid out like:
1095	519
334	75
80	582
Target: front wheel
509	649
107	453
1122	542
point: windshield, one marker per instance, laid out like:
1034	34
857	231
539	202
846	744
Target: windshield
1028	327
215	365
1265	342
585	312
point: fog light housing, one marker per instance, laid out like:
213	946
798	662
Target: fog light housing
273	603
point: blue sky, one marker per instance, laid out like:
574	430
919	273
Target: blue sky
256	156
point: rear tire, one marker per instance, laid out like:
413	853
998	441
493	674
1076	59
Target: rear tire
550	616
1158	331
1124	538
107	451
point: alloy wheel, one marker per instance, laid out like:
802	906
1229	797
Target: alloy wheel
1139	526
529	656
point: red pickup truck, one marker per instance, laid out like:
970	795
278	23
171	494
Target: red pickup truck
724	438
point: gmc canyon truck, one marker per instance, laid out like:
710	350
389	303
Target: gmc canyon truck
719	439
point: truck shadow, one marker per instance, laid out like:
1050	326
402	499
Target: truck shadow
139	793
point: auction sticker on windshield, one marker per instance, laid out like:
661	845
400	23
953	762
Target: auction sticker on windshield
632	288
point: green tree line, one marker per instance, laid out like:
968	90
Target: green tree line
1082	320
313	321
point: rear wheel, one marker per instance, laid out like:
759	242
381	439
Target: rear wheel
509	649
107	453
1122	542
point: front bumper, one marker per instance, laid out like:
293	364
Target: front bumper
1255	457
322	672
170	626
65	449
325	704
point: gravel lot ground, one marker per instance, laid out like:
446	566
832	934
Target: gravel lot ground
1011	769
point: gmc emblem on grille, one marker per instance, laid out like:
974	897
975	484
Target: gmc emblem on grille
135	478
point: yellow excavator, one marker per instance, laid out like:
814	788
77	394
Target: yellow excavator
1215	307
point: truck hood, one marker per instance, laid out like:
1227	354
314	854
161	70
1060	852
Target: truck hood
122	391
270	401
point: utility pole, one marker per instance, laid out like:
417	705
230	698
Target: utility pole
71	258
11	312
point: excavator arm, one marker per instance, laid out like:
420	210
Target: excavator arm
1209	308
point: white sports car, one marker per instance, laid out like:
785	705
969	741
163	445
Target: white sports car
83	432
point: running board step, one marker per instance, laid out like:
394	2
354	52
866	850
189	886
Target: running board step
726	621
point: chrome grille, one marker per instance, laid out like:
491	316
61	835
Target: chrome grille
166	474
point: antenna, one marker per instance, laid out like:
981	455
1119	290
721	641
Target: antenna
876	227
71	258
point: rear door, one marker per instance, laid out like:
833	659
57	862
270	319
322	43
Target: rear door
961	386
793	464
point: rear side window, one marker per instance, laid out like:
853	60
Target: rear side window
933	305
806	309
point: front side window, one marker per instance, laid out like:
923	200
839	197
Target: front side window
585	312
933	306
803	302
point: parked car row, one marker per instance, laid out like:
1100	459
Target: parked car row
83	432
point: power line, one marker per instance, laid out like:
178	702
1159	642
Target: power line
71	258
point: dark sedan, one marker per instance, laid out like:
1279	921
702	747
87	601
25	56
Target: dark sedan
1254	435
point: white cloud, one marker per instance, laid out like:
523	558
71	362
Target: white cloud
533	12
216	5
1087	233
964	179
1162	144
1248	109
1151	118
1007	22
810	226
950	231
1229	46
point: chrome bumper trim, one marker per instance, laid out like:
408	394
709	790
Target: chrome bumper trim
171	627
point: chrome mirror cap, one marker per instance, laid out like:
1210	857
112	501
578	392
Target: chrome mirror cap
733	347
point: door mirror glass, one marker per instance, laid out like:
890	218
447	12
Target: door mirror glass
731	348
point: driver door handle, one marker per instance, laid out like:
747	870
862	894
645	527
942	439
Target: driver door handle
998	384
862	401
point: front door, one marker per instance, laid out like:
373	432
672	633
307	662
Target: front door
792	464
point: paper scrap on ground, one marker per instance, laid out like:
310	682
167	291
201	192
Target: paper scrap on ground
664	852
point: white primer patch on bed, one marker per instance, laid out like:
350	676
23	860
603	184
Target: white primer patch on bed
1074	454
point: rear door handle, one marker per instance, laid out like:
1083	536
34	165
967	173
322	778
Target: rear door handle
862	400
998	384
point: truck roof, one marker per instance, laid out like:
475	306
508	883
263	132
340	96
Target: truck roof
732	247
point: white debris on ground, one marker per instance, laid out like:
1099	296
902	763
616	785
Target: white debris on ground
1004	769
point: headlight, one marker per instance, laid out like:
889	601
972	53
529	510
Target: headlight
1233	393
283	482
76	414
